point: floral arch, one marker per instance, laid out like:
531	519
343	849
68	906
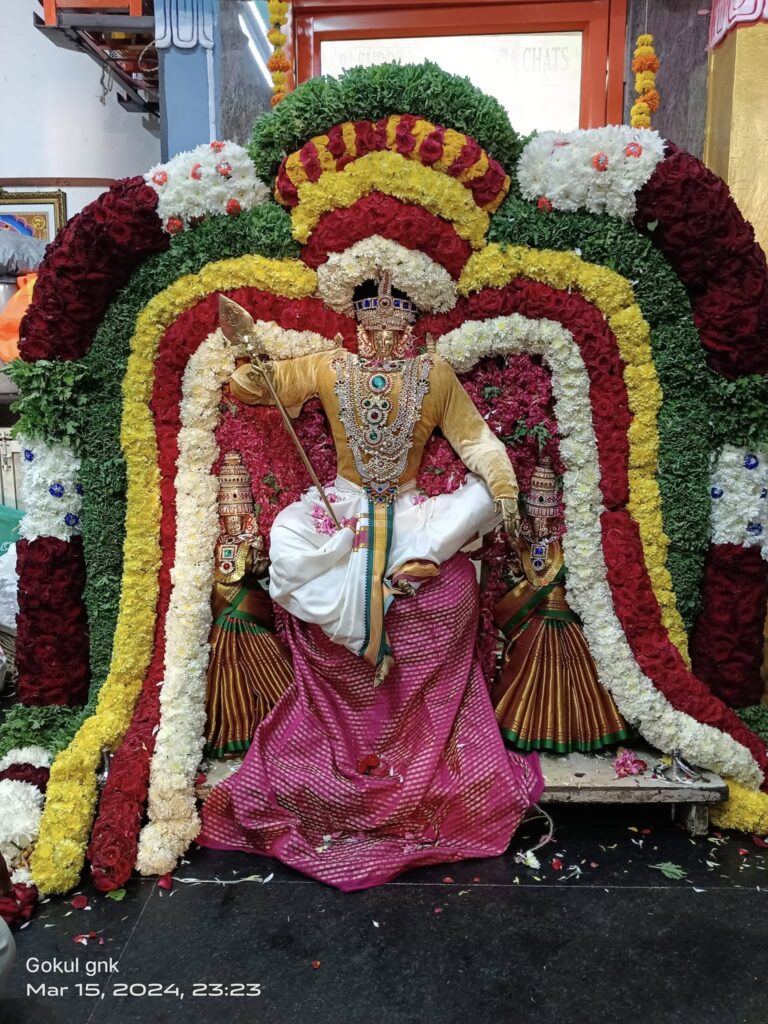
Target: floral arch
574	283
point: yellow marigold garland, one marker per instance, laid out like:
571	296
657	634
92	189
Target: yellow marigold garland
72	790
744	810
645	64
278	63
614	297
396	176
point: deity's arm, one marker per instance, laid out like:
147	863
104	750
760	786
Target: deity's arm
294	380
470	436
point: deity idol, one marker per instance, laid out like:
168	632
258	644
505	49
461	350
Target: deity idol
548	696
249	668
384	753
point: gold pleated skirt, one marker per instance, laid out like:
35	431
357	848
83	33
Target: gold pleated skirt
248	670
548	696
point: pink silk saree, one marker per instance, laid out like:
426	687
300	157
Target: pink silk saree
352	784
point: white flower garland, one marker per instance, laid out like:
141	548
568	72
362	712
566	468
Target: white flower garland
38	757
596	169
50	491
213	178
172	809
588	591
427	284
739	493
22	809
284	343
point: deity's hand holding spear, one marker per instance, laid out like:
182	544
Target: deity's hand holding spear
239	328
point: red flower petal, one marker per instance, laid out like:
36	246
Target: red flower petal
80	902
165	882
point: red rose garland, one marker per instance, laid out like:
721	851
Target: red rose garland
19	905
727	641
379	214
52	627
84	267
693	219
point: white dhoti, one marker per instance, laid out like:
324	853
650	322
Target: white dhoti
343	580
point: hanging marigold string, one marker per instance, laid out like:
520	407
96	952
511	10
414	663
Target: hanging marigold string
645	64
278	63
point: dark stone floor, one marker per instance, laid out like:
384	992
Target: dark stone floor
481	942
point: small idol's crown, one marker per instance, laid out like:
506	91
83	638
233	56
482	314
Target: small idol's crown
542	499
385	312
235	497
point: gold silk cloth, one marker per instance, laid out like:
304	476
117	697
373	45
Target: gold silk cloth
446	406
548	696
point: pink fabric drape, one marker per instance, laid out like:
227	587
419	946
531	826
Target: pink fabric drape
351	784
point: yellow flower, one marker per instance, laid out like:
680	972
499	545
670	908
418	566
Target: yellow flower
393	175
72	792
744	810
614	297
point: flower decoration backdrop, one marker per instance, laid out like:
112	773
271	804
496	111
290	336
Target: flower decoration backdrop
593	311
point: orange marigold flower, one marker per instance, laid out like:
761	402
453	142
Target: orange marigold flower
277	97
600	161
278	62
652	98
646	62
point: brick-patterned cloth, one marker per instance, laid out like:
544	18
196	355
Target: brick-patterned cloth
352	784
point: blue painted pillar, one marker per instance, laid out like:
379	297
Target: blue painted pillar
189	51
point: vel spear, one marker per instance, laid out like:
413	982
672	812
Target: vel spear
239	328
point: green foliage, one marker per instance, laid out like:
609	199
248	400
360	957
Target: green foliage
756	719
52	395
371	93
701	411
50	727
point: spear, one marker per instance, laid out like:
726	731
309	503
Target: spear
239	329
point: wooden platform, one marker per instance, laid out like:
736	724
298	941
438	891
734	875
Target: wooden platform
590	779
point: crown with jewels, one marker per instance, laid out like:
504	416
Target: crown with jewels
542	500
235	497
385	312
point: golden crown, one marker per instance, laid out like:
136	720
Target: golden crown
385	312
235	497
542	499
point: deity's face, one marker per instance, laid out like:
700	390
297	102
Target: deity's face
233	525
385	344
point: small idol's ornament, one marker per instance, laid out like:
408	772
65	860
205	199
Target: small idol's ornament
548	696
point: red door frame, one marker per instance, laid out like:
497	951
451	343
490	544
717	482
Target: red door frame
601	22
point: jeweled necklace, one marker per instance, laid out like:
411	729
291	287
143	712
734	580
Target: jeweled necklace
380	449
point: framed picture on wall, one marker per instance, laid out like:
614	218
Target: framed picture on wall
34	214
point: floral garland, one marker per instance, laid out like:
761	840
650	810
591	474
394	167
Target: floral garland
377	214
739	493
597	169
636	696
97	250
645	64
280	343
691	216
173	819
278	63
23	778
51	633
69	808
213	178
443	149
393	175
50	490
613	297
728	639
428	284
